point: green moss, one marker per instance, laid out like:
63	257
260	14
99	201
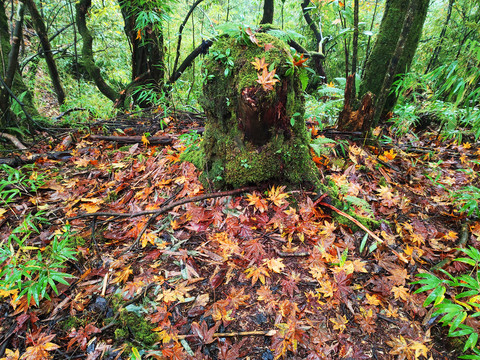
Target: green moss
71	322
138	326
227	155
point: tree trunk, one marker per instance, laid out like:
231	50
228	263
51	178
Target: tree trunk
317	55
148	64
433	59
268	8
93	70
255	130
386	42
41	30
9	72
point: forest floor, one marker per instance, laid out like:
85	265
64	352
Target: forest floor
264	273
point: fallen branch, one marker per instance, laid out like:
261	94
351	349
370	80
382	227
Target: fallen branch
14	140
22	160
173	205
154	140
232	334
351	218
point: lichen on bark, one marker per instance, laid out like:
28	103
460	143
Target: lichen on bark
253	134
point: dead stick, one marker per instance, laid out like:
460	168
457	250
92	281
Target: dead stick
14	140
163	140
171	206
240	333
351	218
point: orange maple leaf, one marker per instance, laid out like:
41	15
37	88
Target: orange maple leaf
40	347
257	201
259	64
122	275
299	61
257	273
267	79
276	265
277	196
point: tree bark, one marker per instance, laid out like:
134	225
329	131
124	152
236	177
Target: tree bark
93	70
382	98
386	43
148	64
353	94
9	70
268	9
41	30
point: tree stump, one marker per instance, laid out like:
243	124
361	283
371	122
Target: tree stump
253	99
356	120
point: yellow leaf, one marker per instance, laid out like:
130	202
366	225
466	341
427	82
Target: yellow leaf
145	140
400	292
276	195
340	323
259	64
148	237
90	208
122	276
276	265
373	300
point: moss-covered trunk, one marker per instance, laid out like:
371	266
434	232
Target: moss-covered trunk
17	86
254	103
148	58
386	42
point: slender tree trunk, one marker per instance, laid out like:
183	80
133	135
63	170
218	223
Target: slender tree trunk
355	49
93	70
318	54
438	48
11	78
268	8
386	43
41	30
148	57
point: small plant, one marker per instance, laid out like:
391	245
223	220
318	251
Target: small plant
226	59
468	200
191	141
15	183
465	305
27	270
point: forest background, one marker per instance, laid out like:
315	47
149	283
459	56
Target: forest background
373	268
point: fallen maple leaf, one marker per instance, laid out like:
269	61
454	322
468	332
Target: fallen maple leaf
41	346
257	273
276	265
267	79
11	355
259	64
277	196
122	275
258	202
400	292
339	323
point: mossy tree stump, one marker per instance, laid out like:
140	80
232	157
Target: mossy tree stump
253	99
